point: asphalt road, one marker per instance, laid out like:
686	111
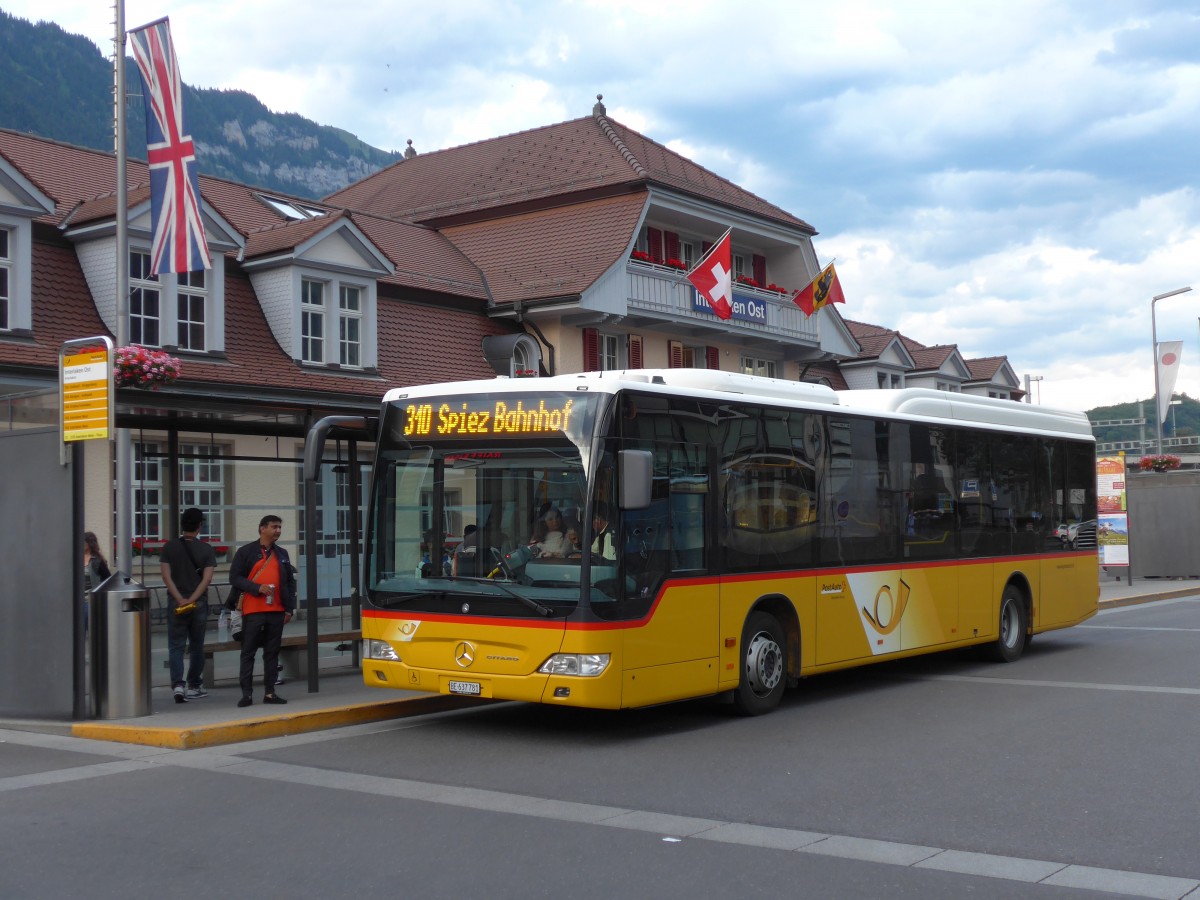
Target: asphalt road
1069	773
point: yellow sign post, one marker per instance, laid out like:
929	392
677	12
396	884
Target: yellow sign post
85	387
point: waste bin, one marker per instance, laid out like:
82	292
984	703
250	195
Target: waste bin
120	636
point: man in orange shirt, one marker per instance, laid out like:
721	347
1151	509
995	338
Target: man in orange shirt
264	589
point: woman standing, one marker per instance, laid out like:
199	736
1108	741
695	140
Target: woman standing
95	569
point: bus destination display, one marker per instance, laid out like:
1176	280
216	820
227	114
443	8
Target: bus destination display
486	417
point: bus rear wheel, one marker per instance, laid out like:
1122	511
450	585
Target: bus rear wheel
1014	624
764	666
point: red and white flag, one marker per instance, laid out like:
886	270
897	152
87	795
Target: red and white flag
712	276
825	289
1169	353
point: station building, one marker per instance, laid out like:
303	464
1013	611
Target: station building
558	249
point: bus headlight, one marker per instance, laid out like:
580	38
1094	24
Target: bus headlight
379	650
585	665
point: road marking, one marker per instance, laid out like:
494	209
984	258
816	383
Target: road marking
1134	628
850	847
1075	685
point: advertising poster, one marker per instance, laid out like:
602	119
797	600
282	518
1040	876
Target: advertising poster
1113	536
1113	526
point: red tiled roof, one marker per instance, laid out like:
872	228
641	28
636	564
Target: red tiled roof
423	258
551	253
673	170
68	175
932	357
986	368
553	161
825	370
62	308
286	235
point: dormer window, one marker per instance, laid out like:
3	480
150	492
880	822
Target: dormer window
350	326
312	321
175	310
6	279
145	297
292	209
333	335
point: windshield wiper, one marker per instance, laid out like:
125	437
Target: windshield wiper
394	599
540	608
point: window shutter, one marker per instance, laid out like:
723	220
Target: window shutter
712	358
672	245
635	351
675	354
654	238
760	270
705	247
591	350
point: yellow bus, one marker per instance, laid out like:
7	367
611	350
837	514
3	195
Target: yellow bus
619	539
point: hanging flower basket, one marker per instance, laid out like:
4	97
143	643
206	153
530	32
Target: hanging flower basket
1162	463
149	370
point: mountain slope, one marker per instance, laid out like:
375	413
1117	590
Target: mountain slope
59	85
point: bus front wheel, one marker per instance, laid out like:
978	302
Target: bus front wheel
764	665
1014	623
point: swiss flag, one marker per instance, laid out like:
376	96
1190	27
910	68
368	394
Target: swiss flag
712	276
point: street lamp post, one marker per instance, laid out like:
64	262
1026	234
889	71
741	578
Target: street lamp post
1154	341
1038	379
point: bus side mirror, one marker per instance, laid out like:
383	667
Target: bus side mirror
314	441
636	474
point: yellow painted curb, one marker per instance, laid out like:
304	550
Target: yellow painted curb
298	722
1150	598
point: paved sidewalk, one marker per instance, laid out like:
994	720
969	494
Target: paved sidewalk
343	699
1116	589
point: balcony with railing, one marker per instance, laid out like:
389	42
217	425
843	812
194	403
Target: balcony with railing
659	290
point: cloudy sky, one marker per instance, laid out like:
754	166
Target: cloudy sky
1015	178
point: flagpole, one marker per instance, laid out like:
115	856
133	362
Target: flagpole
123	552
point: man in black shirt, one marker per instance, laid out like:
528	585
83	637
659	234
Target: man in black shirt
187	565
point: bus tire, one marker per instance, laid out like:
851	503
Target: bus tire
1014	627
764	665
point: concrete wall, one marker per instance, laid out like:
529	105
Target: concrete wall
41	570
1164	524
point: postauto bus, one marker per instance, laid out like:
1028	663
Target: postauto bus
714	534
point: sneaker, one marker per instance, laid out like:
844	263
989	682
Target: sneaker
196	693
273	698
245	701
180	696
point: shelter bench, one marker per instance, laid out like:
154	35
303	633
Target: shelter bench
293	652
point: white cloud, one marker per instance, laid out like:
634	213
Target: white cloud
1016	179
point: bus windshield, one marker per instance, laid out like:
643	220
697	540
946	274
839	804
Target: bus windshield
478	505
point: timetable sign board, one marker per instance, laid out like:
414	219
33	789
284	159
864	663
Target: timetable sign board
86	381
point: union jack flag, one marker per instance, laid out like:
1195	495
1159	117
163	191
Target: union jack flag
178	244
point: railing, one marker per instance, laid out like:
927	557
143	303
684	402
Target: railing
664	291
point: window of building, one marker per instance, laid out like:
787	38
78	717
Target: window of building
145	296
190	305
291	209
312	321
753	366
202	480
6	265
610	352
739	266
202	484
687	253
350	326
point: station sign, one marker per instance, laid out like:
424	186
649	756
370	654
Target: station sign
85	389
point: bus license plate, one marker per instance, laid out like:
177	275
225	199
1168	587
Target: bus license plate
466	687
